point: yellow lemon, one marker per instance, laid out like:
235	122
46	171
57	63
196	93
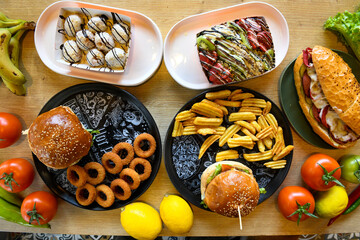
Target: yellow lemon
141	221
176	214
331	203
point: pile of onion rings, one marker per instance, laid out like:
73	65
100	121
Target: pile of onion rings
127	162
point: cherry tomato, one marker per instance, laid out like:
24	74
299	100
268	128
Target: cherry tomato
321	172
39	208
350	170
10	129
16	174
296	203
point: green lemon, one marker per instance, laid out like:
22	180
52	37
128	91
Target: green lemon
332	202
141	221
176	214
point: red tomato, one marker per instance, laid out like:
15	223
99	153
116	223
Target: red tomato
39	208
10	129
296	203
321	172
16	174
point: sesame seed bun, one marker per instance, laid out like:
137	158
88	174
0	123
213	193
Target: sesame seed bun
58	138
231	189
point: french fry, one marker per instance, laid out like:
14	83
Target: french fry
260	145
218	95
275	164
248	146
229	132
207	143
254	102
203	121
256	110
226	155
247	125
220	130
267	109
241	140
248	133
262	122
278	167
264	132
207	110
272	122
235	92
284	152
184	115
228	103
239	116
279	141
189	130
214	104
206	131
268	142
256	125
260	156
241	96
189	122
177	130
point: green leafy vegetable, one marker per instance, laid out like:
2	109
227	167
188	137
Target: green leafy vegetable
203	204
347	26
262	190
215	173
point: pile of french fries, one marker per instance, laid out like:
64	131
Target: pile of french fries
253	124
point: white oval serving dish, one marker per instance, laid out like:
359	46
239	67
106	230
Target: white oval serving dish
145	55
180	51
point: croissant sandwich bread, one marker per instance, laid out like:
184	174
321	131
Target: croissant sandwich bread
58	138
229	186
329	96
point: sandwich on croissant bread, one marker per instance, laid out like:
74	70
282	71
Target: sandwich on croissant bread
329	96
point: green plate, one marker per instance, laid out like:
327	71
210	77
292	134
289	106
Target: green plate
290	102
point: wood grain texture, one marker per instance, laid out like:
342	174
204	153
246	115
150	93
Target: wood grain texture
163	97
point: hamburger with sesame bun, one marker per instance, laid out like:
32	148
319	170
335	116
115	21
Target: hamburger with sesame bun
227	186
58	138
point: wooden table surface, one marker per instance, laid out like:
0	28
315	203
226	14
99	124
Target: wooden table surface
164	97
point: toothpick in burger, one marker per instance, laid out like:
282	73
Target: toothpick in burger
229	186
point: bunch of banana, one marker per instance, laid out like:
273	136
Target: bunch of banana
11	31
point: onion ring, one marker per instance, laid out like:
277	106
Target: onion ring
104	196
86	194
142	167
131	177
112	162
139	143
96	172
76	175
120	150
121	189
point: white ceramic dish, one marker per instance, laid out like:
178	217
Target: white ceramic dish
146	46
180	52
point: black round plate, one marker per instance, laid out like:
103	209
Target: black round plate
289	101
119	116
185	169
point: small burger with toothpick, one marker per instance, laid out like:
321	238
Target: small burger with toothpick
230	189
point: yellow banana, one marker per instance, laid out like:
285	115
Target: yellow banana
14	47
17	89
8	70
7	22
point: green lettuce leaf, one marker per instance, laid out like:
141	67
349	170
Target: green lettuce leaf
346	26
